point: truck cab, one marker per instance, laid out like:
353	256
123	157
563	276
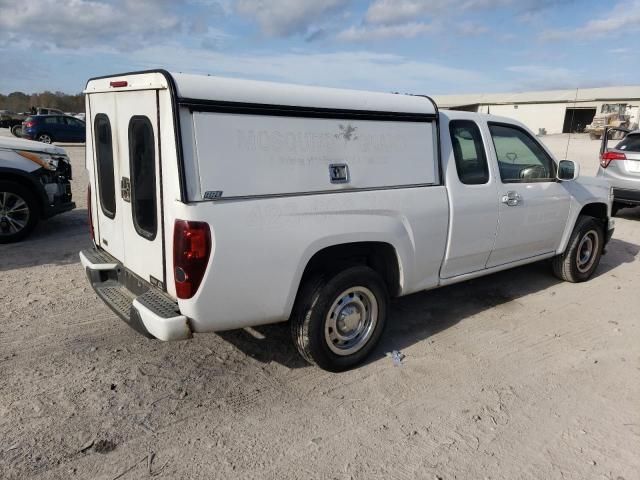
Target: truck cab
218	204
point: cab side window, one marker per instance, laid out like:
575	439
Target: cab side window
468	151
521	158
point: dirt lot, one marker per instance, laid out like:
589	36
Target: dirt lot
515	376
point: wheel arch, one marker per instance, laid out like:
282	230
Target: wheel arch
381	256
598	210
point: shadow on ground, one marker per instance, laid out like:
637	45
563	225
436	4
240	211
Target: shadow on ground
416	317
54	241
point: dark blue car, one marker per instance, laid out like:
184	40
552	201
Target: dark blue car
53	128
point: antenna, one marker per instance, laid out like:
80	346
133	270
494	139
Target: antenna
573	112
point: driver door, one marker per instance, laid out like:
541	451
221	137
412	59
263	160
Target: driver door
533	204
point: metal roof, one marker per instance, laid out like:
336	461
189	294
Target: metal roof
206	87
545	96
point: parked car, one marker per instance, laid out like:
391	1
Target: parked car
271	202
53	128
80	116
620	165
12	121
34	185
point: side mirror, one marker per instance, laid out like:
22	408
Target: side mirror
568	170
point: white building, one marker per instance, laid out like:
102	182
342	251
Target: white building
555	111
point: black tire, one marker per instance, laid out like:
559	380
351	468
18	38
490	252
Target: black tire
45	138
311	319
574	265
16	130
9	191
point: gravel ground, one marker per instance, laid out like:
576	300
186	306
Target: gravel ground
514	376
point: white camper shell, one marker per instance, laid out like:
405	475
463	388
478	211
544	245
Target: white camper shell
219	203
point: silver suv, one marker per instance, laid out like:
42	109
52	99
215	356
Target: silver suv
621	166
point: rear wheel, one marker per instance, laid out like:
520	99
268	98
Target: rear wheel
337	321
16	130
18	212
583	253
45	138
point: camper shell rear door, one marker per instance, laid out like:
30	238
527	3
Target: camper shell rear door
126	164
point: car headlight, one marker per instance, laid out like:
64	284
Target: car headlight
45	160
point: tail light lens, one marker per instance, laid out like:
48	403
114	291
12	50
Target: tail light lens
89	214
607	157
28	124
191	250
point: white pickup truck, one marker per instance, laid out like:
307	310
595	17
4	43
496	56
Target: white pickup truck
219	204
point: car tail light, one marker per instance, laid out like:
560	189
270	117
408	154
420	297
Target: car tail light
607	157
191	250
89	213
28	124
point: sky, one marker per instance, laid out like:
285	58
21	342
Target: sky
410	46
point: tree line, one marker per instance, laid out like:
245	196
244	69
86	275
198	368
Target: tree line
22	102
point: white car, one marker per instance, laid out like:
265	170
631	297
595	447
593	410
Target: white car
218	204
34	184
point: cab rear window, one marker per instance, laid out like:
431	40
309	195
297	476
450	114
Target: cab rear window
631	143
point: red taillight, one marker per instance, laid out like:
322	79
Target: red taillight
119	83
89	213
191	250
606	157
27	124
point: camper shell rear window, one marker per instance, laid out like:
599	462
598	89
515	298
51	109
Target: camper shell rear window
143	176
104	160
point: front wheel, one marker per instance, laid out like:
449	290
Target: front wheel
583	253
337	321
18	212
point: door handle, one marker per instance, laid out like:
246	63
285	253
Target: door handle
125	189
512	199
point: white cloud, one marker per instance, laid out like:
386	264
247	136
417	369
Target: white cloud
78	24
545	77
398	11
623	19
279	18
470	28
367	33
352	69
388	12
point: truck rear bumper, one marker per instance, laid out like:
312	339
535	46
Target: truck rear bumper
142	306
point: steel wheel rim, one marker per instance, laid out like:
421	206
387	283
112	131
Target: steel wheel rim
14	213
45	138
586	252
351	321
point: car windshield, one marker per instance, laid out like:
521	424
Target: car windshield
631	143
